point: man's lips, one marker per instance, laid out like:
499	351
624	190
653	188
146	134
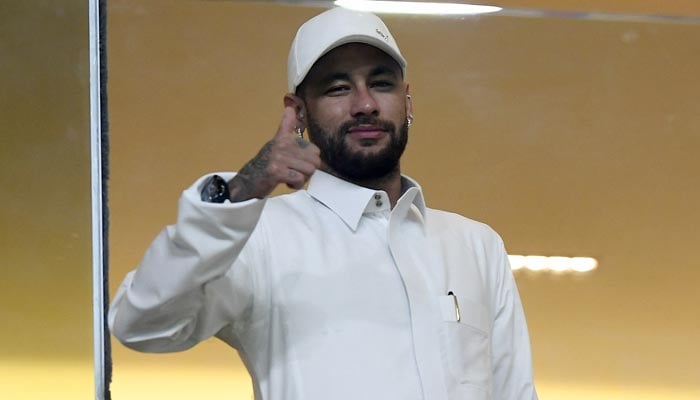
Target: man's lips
366	132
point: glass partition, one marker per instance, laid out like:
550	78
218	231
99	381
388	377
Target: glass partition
45	235
571	137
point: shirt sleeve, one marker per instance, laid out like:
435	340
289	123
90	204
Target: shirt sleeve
173	300
511	355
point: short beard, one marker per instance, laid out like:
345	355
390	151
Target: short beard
357	167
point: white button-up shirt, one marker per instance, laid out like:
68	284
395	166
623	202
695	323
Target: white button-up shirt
328	293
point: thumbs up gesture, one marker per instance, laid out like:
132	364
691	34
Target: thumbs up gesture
287	158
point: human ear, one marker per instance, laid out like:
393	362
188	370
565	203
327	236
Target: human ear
409	104
299	106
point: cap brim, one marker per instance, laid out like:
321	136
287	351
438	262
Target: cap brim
365	39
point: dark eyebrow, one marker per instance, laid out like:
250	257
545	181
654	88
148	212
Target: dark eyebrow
381	70
343	76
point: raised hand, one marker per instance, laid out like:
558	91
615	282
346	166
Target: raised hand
287	158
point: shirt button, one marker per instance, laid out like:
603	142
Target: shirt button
379	203
377	196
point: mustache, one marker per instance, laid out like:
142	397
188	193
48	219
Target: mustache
367	120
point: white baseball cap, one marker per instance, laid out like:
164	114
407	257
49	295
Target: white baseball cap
333	28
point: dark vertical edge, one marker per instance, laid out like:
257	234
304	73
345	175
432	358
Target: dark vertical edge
104	136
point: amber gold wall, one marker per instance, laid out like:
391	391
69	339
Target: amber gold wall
570	137
45	289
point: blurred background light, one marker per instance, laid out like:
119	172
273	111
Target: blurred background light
411	7
555	264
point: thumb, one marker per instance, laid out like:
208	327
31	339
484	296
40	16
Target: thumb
288	122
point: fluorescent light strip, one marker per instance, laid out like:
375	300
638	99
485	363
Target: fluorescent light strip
555	264
416	7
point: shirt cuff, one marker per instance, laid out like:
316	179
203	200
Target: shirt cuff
243	214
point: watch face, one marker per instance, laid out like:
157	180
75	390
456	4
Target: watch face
215	190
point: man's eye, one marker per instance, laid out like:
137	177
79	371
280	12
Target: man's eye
382	84
336	89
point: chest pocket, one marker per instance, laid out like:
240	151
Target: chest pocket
467	334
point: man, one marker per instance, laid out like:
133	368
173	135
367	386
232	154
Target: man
352	288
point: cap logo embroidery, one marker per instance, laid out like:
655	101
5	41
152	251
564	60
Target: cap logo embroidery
380	33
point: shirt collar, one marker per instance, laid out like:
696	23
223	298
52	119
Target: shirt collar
350	201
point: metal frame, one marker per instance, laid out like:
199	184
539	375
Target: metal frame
96	196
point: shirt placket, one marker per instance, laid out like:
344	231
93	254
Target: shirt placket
424	323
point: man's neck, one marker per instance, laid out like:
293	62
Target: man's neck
389	183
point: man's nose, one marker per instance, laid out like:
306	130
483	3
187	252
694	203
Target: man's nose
363	103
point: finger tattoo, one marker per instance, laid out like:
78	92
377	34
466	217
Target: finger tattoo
303	143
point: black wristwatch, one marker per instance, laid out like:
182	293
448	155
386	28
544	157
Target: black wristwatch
215	190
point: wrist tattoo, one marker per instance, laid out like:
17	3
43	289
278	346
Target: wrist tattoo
246	184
